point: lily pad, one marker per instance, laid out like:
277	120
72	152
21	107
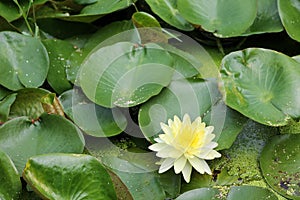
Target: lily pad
125	75
262	84
10	183
59	52
69	176
251	192
280	161
102	122
267	18
102	7
195	97
22	138
9	10
289	11
24	61
28	103
223	18
167	10
201	193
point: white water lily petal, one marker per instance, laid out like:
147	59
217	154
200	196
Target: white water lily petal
157	146
170	152
166	165
209	129
197	164
187	171
166	129
179	164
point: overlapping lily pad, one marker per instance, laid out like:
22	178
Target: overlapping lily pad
59	52
223	18
125	74
101	121
69	176
22	138
262	84
10	183
20	69
167	10
280	161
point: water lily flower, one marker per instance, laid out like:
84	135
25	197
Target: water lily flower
185	145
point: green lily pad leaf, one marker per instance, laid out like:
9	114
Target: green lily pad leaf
102	122
5	105
69	176
99	38
267	18
28	103
251	192
59	52
9	10
223	18
125	75
10	183
149	28
167	10
141	182
289	11
19	69
195	97
279	162
22	138
143	19
105	7
202	193
297	58
263	85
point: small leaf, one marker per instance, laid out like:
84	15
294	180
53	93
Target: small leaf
69	176
22	138
51	105
10	183
280	161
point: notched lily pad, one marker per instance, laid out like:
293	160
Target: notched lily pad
280	161
262	84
